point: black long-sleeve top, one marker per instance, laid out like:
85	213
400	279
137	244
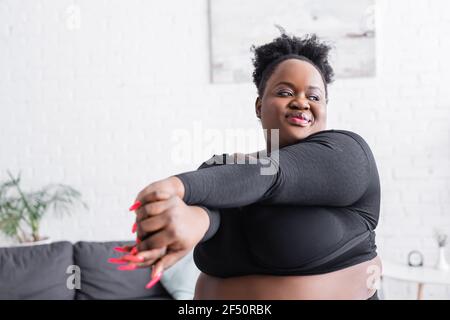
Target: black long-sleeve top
308	208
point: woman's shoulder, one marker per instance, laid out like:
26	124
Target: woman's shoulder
335	133
338	136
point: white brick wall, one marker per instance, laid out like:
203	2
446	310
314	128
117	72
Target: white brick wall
94	102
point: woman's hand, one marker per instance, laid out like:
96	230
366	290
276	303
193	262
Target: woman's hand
171	185
168	230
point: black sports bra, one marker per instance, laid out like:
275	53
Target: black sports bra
315	215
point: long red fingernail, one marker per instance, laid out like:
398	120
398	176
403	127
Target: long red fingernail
135	206
154	280
117	261
131	258
128	267
121	249
134	250
133	230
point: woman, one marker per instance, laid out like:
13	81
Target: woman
304	231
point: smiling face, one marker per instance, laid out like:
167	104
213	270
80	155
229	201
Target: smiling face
294	92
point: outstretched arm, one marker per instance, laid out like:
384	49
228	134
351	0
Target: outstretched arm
213	215
327	169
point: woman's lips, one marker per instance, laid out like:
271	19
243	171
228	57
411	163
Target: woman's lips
298	121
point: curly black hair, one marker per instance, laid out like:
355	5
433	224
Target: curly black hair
309	47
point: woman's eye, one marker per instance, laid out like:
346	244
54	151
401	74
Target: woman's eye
284	92
315	98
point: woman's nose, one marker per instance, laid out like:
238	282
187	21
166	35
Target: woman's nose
301	104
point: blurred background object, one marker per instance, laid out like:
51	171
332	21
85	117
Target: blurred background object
21	212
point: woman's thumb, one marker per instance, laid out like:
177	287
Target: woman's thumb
166	262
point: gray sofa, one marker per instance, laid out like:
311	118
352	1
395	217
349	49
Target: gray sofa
50	271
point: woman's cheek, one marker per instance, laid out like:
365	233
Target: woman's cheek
321	118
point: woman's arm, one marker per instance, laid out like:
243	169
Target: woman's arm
213	213
327	169
214	222
173	186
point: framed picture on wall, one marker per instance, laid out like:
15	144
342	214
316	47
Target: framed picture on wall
235	25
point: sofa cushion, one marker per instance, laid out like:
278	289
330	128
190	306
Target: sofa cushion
36	272
102	280
181	278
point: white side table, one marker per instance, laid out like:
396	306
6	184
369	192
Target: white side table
419	275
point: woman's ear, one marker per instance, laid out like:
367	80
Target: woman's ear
258	107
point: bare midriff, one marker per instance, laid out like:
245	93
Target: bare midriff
354	282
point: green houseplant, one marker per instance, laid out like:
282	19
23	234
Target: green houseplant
21	212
